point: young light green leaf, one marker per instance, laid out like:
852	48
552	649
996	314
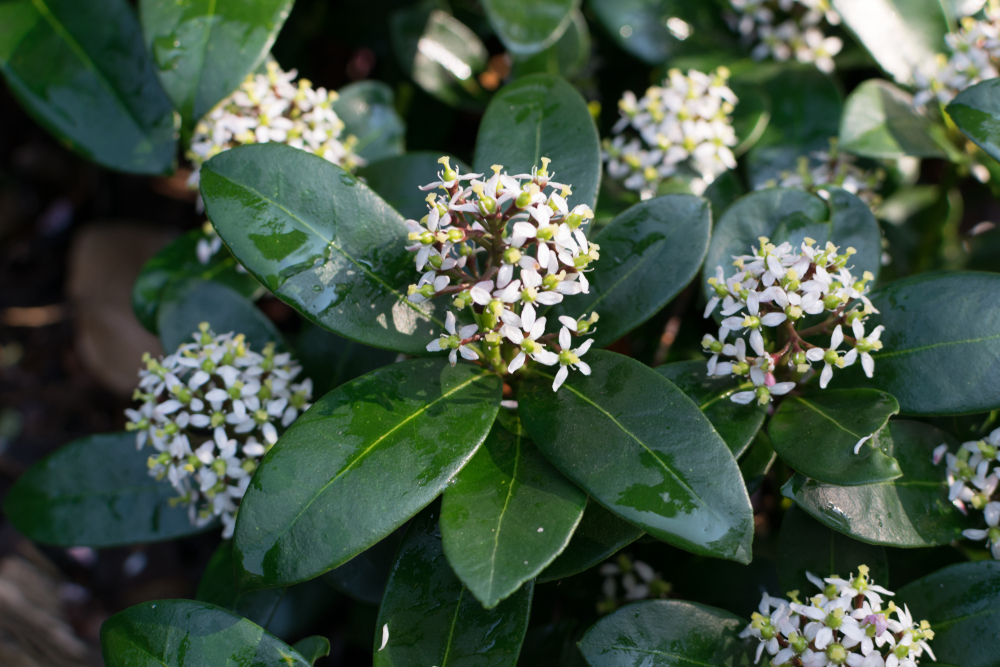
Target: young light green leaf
321	240
649	254
976	112
429	618
96	492
82	71
368	112
666	633
645	451
600	535
833	435
911	511
529	26
397	180
542	116
170	633
507	515
203	49
879	121
343	476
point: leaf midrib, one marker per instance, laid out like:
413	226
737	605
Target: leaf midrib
944	624
826	416
650	651
503	512
914	350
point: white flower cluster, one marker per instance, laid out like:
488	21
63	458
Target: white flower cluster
844	625
269	107
973	478
835	168
637	580
776	287
684	124
783	29
210	411
463	249
973	56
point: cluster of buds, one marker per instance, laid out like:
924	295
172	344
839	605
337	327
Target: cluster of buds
844	625
973	56
783	29
269	107
833	168
503	248
636	580
973	478
211	410
778	287
683	126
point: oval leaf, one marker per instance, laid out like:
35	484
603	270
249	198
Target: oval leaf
542	116
645	451
96	492
649	254
81	69
566	57
321	240
600	535
368	112
507	515
879	121
179	633
976	112
203	49
432	619
819	433
360	462
529	26
912	511
397	180
666	633
638	27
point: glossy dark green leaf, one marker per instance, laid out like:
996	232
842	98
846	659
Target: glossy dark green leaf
757	462
542	116
185	633
879	121
962	603
189	302
364	576
645	451
96	492
600	534
976	112
529	26
912	511
667	633
791	215
397	180
203	49
941	345
649	254
723	191
638	27
737	424
330	361
82	71
817	434
566	57
917	29
180	260
806	545
507	515
368	111
321	240
360	462
312	648
432	619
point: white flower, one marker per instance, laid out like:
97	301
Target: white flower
456	341
992	533
524	331
829	357
570	358
863	346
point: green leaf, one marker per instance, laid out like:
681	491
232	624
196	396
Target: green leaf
321	240
649	254
600	535
82	71
911	511
976	112
637	27
917	29
879	121
757	462
529	26
542	116
364	576
817	435
96	492
432	619
203	49
791	215
397	180
666	633
368	111
330	361
177	633
180	260
941	345
507	515
312	648
566	57
805	545
962	603
737	424
645	451
360	462
189	302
